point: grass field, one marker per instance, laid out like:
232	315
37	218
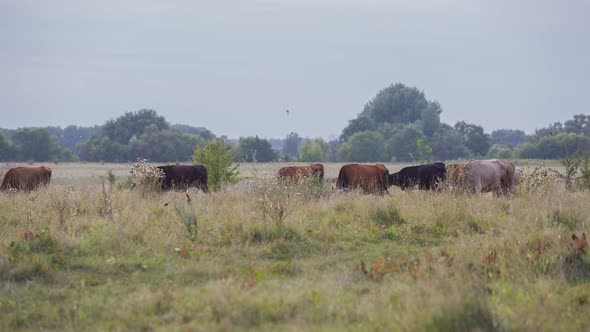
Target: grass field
75	257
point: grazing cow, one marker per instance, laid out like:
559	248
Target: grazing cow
26	178
427	177
454	172
369	178
296	173
184	176
488	175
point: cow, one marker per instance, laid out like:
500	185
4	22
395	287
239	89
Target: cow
454	172
369	178
184	176
427	177
26	178
296	173
488	175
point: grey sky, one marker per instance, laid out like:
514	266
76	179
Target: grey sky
235	66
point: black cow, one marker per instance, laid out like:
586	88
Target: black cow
425	176
184	176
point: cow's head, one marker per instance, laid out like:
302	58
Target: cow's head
393	179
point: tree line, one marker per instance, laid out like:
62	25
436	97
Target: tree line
398	124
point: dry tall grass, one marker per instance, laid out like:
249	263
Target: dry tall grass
409	261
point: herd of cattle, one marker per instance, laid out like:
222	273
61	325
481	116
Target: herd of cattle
498	176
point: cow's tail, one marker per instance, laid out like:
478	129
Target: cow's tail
341	181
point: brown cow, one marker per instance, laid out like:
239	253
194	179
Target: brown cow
454	172
296	173
369	178
26	178
488	175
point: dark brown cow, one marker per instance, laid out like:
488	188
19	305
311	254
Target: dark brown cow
488	175
296	173
369	178
26	178
184	176
426	177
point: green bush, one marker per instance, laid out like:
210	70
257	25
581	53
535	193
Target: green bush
218	160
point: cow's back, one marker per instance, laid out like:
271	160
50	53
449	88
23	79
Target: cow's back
367	177
488	175
26	178
182	176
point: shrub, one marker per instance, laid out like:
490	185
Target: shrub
218	160
388	216
584	179
189	219
33	257
146	177
275	199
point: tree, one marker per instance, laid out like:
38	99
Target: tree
508	137
578	125
403	145
361	123
398	105
217	158
500	151
165	145
313	151
133	124
332	150
254	149
423	153
36	144
527	150
291	145
430	119
553	129
203	132
364	146
102	148
6	148
554	147
447	144
474	137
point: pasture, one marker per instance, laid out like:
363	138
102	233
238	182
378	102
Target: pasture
80	255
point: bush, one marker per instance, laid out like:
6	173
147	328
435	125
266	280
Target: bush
218	160
189	219
146	177
275	200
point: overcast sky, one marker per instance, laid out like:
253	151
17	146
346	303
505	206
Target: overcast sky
235	66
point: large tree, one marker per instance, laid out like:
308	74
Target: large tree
447	143
476	140
364	146
291	145
36	144
132	124
6	148
398	105
403	145
165	145
313	151
251	149
508	137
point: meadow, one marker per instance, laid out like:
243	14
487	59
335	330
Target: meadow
85	254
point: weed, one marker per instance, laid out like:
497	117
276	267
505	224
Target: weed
147	178
188	217
387	216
